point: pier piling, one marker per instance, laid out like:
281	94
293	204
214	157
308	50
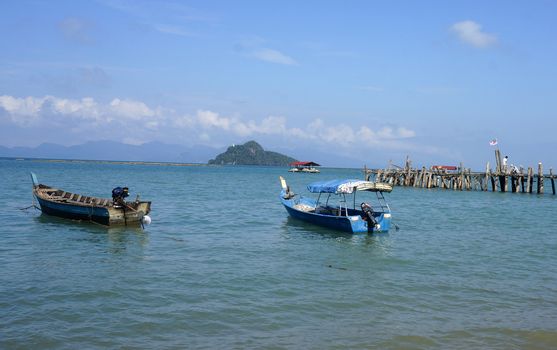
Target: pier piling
464	179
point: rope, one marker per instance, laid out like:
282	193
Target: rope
31	206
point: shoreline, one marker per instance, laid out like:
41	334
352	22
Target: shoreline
124	162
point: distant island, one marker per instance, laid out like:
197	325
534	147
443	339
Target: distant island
251	153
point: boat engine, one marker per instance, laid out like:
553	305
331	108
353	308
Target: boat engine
118	195
368	215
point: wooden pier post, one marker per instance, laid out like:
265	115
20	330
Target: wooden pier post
522	178
540	178
493	187
514	183
407	168
416	178
503	182
529	181
461	180
486	177
469	179
552	180
498	161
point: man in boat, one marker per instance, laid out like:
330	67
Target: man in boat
367	215
118	195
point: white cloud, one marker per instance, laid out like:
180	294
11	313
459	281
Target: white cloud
405	133
28	106
183	122
129	109
272	125
209	119
317	130
86	108
471	33
338	134
133	121
273	56
32	111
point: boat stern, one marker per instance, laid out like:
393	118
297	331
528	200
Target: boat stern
383	223
359	225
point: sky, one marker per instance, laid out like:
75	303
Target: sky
370	81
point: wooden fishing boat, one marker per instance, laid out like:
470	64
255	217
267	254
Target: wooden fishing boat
341	214
115	211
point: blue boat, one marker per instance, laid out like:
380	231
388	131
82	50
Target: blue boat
343	214
115	211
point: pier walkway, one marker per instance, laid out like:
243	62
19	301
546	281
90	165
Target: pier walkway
502	179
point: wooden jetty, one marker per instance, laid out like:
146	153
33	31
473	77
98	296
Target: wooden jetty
502	179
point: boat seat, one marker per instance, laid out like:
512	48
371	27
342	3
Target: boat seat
304	207
327	211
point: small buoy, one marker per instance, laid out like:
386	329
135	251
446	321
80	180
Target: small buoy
146	219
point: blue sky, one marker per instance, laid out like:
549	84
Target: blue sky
372	81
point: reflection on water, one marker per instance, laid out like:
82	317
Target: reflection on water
295	226
121	238
379	241
116	239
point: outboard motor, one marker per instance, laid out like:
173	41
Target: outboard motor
118	195
368	216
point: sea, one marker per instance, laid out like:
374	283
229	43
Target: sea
222	266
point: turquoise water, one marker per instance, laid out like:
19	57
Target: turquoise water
222	266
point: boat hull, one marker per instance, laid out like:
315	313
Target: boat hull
102	215
333	222
75	212
352	223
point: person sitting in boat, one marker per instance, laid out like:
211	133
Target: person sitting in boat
367	214
118	195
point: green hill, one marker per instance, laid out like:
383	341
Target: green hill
251	153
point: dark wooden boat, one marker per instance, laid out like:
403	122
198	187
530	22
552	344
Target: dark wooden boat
115	211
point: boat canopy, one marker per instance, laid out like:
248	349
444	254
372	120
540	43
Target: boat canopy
301	164
348	186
